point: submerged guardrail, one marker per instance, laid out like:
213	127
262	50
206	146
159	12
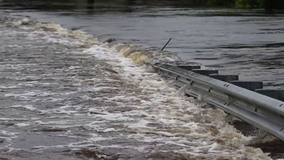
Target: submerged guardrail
264	112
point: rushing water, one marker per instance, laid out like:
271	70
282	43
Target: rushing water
64	95
243	42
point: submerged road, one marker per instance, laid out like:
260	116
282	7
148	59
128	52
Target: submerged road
63	99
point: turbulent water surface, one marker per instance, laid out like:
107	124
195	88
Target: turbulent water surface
65	95
243	42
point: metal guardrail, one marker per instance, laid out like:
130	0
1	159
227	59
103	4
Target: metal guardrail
261	111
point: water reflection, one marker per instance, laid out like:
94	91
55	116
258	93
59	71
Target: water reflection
90	5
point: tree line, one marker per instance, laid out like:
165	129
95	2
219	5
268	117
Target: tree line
269	5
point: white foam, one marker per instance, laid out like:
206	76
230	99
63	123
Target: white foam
167	108
23	124
27	107
161	116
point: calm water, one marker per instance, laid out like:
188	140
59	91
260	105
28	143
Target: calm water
243	42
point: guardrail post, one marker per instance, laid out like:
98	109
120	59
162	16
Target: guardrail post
188	67
277	94
225	78
205	72
248	85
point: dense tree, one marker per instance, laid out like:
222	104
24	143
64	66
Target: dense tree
220	2
269	5
249	3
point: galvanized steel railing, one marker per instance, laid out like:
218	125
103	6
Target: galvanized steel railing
261	111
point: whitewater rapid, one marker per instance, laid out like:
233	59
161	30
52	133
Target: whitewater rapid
66	95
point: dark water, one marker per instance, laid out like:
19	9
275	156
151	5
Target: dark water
243	42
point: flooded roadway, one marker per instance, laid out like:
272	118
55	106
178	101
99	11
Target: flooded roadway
66	96
243	42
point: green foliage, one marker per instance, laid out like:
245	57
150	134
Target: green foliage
249	3
215	2
236	3
239	3
222	3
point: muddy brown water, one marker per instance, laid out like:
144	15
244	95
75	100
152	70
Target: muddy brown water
244	42
41	92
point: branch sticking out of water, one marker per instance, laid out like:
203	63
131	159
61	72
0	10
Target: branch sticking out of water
166	44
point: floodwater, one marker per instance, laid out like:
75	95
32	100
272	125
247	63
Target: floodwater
243	42
66	95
